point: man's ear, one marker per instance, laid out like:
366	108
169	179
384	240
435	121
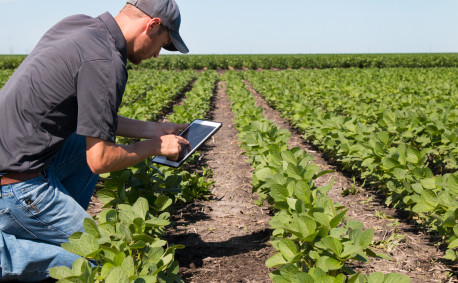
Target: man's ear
154	22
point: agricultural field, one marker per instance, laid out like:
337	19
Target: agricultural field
331	168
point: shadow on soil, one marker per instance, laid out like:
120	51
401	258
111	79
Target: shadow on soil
197	249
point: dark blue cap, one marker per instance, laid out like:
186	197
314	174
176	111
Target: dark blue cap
169	13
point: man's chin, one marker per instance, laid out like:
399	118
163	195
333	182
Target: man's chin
136	62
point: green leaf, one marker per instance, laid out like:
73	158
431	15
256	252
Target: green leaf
428	183
128	266
450	255
80	266
106	268
399	173
396	278
357	277
138	245
323	219
330	243
338	218
263	173
279	192
117	275
452	183
292	203
418	188
119	258
422	207
127	216
91	227
376	277
75	236
155	254
167	259
389	163
288	156
60	272
350	251
156	222
413	155
366	238
141	207
107	196
328	263
275	260
288	249
453	244
401	151
108	216
85	246
367	162
306	225
293	171
379	149
162	202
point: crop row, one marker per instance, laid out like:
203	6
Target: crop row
313	239
320	61
152	92
125	242
382	157
268	61
414	106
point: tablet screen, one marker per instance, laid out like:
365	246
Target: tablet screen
196	134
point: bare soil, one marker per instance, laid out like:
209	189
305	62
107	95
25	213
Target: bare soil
227	237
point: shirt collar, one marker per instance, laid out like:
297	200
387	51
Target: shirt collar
115	30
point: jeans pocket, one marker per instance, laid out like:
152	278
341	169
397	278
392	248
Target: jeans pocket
31	193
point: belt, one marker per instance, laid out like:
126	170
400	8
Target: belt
12	178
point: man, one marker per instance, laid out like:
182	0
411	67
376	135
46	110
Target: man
59	122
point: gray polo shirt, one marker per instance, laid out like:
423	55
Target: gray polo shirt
72	81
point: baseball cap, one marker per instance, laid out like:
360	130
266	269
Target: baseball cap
169	13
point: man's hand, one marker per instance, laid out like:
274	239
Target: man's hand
173	146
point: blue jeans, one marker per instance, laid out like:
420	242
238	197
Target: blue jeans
37	215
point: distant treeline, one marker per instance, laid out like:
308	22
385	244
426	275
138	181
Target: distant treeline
253	62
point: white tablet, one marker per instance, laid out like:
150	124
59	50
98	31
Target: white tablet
196	134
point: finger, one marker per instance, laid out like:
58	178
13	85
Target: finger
182	140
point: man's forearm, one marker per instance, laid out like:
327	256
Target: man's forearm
131	128
105	157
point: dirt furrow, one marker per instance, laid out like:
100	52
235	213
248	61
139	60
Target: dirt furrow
227	237
414	254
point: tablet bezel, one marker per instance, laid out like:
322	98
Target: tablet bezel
165	161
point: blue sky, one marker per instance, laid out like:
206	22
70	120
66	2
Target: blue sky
265	26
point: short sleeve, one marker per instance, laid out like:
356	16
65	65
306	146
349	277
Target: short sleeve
98	100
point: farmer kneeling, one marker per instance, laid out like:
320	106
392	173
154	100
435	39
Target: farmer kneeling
58	126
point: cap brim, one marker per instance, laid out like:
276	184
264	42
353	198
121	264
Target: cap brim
177	43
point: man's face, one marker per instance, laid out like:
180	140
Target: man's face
149	44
